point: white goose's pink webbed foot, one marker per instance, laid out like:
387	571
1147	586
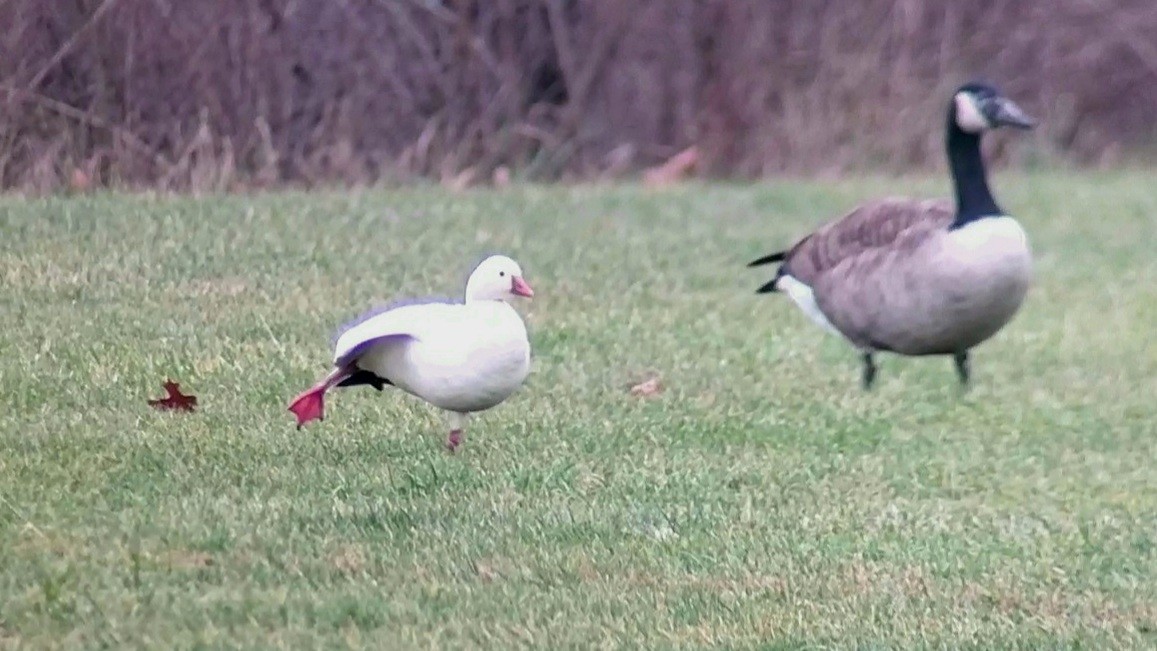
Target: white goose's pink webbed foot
454	440
310	404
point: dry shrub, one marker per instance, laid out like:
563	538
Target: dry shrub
216	95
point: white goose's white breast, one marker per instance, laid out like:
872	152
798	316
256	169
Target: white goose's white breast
471	361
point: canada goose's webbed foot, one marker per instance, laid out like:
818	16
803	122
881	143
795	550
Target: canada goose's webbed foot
454	440
963	368
869	371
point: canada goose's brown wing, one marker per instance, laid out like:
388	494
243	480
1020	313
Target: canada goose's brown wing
873	225
880	297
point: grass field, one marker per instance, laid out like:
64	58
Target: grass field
761	500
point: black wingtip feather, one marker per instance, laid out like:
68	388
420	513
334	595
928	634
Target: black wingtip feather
778	256
360	377
768	287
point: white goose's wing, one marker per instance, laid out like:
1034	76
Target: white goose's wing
407	320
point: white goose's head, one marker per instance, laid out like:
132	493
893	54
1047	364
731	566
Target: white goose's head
978	107
497	278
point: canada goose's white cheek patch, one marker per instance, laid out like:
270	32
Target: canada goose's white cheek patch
968	115
806	300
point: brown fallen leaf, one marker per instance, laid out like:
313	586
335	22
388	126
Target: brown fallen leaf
461	181
349	559
647	388
175	400
501	177
79	180
188	560
486	572
675	169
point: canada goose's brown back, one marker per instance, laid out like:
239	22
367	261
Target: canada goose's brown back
873	225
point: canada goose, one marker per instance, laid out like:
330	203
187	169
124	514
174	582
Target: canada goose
919	277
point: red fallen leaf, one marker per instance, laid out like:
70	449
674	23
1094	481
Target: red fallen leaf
176	400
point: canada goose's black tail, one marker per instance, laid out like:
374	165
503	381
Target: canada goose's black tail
778	256
769	287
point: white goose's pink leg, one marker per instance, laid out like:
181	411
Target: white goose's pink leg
457	427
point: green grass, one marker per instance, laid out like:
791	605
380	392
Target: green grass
762	500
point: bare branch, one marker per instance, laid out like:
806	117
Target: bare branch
84	117
68	45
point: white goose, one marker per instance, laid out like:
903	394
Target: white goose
460	357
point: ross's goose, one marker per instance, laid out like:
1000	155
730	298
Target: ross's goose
461	357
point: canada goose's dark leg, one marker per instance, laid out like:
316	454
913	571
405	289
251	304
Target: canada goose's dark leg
963	368
869	371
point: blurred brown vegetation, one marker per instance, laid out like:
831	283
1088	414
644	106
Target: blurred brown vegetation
223	94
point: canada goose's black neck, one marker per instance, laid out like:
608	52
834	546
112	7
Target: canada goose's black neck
973	198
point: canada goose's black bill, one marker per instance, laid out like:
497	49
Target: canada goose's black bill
1003	112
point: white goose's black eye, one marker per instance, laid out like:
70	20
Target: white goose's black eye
501	274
